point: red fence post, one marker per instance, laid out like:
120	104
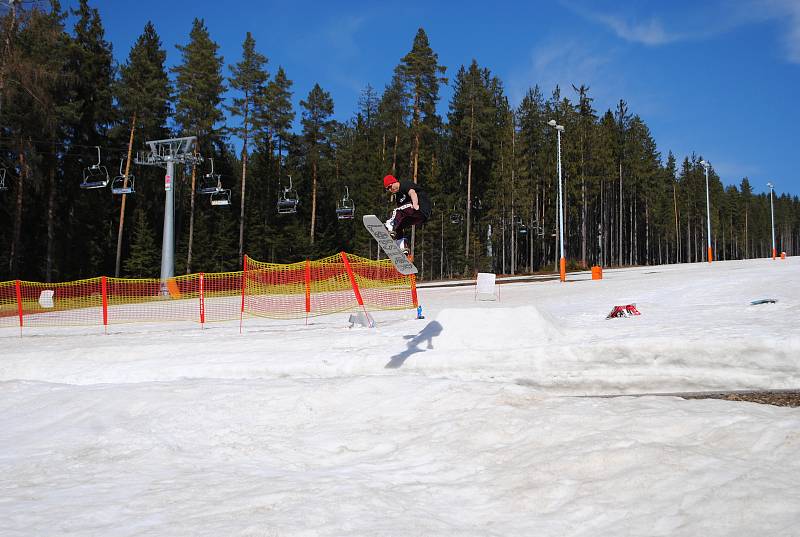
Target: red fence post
308	288
244	280
19	300
104	288
202	301
244	284
352	279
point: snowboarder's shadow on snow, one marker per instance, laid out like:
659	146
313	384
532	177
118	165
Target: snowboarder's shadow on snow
427	334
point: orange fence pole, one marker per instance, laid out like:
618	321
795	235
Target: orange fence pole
19	301
308	288
244	284
352	279
413	285
104	288
202	302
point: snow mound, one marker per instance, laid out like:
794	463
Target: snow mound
494	328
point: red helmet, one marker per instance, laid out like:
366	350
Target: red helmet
388	180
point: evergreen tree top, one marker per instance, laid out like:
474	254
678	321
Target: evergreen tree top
249	78
199	84
144	87
276	105
420	72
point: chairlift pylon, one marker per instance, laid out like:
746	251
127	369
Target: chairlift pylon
123	184
287	203
345	209
96	175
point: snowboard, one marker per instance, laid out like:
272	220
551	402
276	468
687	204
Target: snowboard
387	244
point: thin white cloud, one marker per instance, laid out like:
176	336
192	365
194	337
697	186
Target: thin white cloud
732	171
343	49
788	13
340	36
659	25
650	32
564	62
651	28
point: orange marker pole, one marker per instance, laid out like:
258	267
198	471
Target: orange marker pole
104	289
244	284
308	288
202	301
18	286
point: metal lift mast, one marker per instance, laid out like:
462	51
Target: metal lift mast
165	154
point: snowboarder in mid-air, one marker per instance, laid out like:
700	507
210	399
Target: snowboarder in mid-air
413	208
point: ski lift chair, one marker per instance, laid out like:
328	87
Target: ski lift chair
456	217
345	209
522	229
210	183
3	180
122	184
96	175
221	197
287	203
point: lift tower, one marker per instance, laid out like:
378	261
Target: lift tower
165	154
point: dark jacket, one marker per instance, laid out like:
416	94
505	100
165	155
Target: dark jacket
403	196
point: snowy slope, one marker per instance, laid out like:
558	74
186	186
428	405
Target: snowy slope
473	421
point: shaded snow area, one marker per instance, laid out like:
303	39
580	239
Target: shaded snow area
482	419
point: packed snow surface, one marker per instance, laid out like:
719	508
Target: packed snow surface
485	418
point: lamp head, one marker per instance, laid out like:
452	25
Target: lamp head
552	122
704	163
770	186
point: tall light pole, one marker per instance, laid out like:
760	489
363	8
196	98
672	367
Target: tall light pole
706	165
772	214
563	262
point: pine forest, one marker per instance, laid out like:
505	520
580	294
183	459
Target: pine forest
71	118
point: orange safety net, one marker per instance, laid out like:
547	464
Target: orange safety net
338	283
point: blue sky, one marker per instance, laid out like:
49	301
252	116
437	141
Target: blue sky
719	79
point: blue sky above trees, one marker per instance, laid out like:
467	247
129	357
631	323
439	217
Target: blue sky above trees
718	79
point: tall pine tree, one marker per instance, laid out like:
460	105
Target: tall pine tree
317	130
249	80
143	93
199	86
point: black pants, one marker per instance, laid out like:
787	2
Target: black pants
407	217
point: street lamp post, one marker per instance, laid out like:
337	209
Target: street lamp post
772	214
706	165
563	262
